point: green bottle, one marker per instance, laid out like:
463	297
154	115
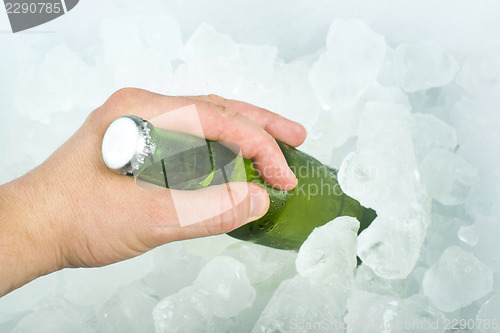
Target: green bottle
182	161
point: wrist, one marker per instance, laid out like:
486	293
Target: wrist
28	239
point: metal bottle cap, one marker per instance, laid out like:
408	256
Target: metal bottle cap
126	144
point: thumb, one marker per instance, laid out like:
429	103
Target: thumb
214	210
220	209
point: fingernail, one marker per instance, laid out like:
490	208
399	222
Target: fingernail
258	203
290	186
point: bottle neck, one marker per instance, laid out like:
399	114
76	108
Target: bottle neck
187	162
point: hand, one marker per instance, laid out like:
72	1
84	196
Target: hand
72	211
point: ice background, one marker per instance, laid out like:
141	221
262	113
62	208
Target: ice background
402	96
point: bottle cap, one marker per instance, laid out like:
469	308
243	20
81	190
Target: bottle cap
126	144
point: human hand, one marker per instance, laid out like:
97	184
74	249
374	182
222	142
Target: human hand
72	211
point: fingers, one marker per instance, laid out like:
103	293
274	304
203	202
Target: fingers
224	124
126	100
209	211
217	122
279	127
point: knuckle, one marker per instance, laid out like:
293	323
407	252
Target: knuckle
216	99
267	146
95	116
123	98
223	111
226	222
124	93
232	219
99	116
228	218
120	101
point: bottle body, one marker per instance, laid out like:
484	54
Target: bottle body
317	199
186	162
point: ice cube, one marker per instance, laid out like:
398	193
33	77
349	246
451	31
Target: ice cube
468	234
385	148
429	132
139	50
362	175
222	290
423	65
94	286
369	312
381	174
457	280
172	257
391	245
473	119
328	255
389	135
227	288
338	126
148	72
27	296
484	196
206	45
448	177
476	149
480	74
62	82
441	233
128	310
52	316
487	248
325	129
375	111
299	101
263	263
215	62
258	61
437	101
299	306
386	73
367	280
209	247
349	66
51	321
133	37
489	315
418	314
379	93
184	311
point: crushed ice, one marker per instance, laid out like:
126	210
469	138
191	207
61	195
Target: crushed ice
411	122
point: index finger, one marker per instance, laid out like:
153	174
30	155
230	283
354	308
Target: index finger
279	127
219	123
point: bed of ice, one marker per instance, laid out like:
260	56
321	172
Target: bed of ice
402	96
